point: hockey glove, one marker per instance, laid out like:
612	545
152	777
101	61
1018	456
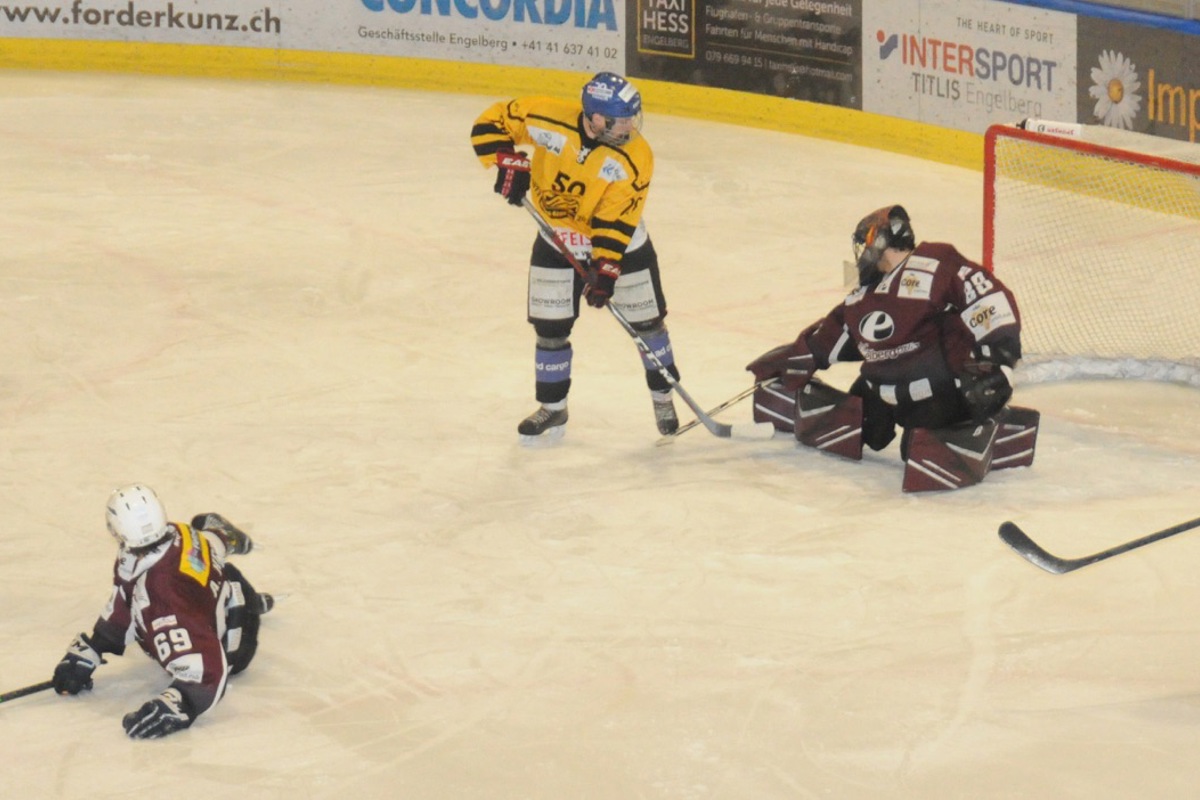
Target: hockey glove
601	279
159	717
985	389
512	178
791	363
74	673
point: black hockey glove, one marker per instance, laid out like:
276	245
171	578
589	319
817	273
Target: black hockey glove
512	178
74	673
985	389
602	276
159	717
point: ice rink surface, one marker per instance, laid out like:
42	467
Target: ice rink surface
303	307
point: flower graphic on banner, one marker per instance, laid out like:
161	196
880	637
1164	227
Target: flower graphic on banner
1114	88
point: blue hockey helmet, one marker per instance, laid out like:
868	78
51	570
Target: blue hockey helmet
618	102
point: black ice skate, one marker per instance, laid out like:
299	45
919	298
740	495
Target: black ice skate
542	421
239	543
265	603
664	413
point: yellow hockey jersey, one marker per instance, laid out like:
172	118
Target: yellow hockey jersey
577	183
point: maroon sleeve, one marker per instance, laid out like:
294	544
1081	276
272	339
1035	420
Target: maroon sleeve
113	629
829	339
985	321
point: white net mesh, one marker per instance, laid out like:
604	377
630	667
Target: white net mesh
1099	238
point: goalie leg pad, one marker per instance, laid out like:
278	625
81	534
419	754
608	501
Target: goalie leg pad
774	404
830	420
949	458
1016	438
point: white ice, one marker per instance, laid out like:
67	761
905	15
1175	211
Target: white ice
303	307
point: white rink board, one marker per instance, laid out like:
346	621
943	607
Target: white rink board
967	64
581	35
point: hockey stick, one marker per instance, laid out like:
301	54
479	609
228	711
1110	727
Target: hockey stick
739	397
715	428
1034	553
28	690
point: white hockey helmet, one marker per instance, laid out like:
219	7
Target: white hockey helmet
135	516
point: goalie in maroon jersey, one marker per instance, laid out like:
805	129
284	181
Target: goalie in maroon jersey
175	594
937	336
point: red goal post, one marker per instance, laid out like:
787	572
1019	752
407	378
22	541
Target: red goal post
1098	235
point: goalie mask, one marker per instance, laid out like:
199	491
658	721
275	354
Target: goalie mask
619	104
135	516
876	232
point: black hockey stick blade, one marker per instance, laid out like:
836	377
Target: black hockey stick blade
1035	554
1031	551
26	691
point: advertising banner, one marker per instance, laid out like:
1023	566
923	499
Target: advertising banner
582	35
967	64
1139	79
803	49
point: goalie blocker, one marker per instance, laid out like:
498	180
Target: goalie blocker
830	420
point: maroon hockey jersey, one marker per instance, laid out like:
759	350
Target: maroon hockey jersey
171	601
921	322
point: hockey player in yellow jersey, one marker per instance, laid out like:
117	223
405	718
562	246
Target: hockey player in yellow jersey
587	170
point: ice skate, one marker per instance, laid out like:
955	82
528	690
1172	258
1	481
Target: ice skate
545	421
265	603
664	413
239	542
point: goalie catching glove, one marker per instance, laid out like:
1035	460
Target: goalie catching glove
985	389
74	673
986	379
601	280
512	179
159	717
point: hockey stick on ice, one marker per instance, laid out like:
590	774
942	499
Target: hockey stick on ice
716	428
739	397
1034	553
28	690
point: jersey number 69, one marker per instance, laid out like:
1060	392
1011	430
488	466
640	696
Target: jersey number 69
175	640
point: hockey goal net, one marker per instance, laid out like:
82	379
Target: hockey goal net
1098	235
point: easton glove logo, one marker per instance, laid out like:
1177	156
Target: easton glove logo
876	327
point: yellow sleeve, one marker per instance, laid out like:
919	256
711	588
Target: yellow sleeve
500	126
